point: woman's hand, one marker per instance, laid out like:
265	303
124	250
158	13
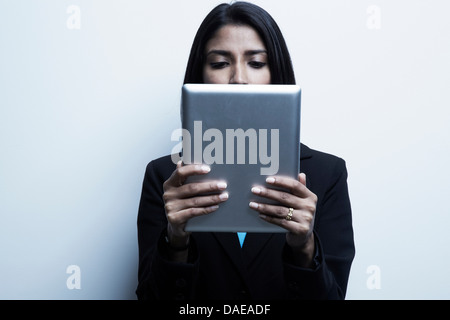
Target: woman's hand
295	213
183	201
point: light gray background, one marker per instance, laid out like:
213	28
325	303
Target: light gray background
82	111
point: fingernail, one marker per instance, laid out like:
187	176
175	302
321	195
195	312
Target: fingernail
214	208
253	205
222	185
270	180
205	168
256	190
223	196
262	216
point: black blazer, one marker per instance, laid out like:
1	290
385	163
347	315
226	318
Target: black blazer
218	268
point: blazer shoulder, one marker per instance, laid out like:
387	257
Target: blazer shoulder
319	156
321	164
161	167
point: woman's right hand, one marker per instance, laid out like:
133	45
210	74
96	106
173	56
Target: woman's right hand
184	201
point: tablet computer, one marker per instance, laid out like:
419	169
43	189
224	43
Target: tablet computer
245	133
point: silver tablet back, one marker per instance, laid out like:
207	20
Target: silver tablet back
245	133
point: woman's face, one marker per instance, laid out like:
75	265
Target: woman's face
236	55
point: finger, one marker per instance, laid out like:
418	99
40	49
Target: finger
305	211
195	202
279	212
273	214
196	188
180	175
183	216
277	221
282	197
296	187
299	223
294	228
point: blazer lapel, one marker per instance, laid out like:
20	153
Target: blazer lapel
253	244
230	243
242	257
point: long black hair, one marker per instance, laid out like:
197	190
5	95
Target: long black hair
242	13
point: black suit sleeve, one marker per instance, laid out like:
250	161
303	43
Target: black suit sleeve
335	250
159	278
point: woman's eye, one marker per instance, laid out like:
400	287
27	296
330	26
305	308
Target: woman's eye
218	65
257	64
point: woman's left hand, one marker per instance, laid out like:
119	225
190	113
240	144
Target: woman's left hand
295	213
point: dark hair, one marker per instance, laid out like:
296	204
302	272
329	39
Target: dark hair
242	13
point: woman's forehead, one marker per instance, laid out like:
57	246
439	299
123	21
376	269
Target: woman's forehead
234	38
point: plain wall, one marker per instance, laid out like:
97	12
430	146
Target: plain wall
86	101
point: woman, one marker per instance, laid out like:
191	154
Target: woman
241	44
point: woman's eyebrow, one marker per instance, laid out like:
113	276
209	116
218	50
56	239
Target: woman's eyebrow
228	53
219	52
254	52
